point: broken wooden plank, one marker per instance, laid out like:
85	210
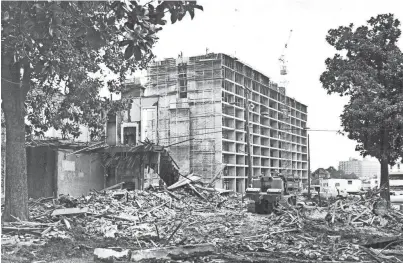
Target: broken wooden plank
358	216
158	232
205	188
36	231
124	218
388	252
172	195
154	208
371	254
47	230
219	190
70	211
273	233
169	252
381	242
197	193
184	181
173	233
67	223
112	187
27	223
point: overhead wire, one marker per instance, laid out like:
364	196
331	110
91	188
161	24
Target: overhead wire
205	133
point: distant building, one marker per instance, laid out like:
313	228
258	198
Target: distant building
364	169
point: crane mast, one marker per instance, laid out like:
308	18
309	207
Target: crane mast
284	127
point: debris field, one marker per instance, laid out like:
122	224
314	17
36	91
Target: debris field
194	223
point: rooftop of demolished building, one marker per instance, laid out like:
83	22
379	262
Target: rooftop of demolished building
191	221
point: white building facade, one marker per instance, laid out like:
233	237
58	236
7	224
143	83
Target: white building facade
365	169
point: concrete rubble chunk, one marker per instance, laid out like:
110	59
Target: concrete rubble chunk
108	255
171	252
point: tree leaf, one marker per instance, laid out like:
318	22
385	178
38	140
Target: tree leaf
181	16
125	43
57	33
111	21
6	16
129	51
81	32
174	17
198	7
94	38
137	53
58	21
191	13
56	9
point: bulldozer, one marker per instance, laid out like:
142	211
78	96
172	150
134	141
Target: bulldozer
267	192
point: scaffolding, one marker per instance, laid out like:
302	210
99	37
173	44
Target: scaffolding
286	155
190	90
206	126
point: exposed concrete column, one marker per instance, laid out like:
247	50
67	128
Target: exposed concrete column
232	184
241	185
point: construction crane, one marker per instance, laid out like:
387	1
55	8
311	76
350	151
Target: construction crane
283	60
286	155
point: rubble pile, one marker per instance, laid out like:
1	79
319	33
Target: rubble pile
192	219
364	212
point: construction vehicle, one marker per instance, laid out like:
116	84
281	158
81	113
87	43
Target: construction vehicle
268	192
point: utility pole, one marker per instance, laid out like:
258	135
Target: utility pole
309	169
250	168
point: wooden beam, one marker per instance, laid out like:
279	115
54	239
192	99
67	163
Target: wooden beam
70	211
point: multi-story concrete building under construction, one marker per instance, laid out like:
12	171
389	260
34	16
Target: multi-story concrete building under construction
199	105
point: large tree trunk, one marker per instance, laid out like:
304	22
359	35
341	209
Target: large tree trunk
385	194
16	193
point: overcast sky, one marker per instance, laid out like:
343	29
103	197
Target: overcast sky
256	31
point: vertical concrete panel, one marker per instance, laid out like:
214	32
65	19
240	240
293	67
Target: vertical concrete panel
40	171
111	133
78	174
135	109
179	132
232	184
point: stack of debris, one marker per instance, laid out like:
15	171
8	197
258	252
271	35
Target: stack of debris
358	212
188	219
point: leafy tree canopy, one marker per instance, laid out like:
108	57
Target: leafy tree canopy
59	43
369	69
